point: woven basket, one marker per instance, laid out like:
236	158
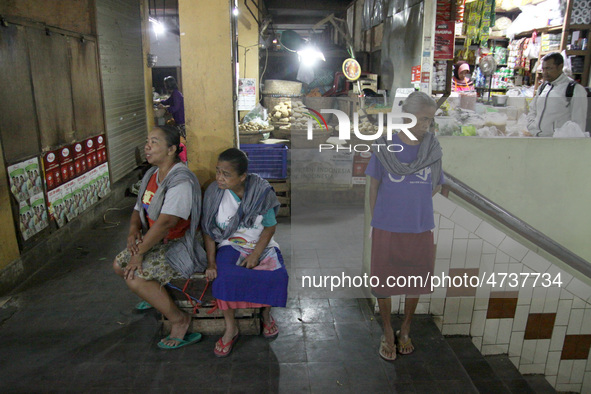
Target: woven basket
277	86
271	100
299	138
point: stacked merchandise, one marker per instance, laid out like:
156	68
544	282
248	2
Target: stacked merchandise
478	19
501	78
550	42
581	12
443	11
500	55
440	75
460	7
479	79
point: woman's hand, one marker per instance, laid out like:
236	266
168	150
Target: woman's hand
135	264
134	238
251	261
211	273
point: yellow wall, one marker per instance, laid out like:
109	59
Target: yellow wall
248	49
543	181
206	62
147	70
8	244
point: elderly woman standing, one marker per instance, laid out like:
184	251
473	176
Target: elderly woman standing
161	245
239	215
401	190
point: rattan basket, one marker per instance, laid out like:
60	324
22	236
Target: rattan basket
277	86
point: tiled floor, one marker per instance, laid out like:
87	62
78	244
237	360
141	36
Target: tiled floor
72	328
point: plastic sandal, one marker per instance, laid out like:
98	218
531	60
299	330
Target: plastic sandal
269	328
188	340
385	348
229	346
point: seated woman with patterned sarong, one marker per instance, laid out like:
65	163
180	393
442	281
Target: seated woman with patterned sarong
239	216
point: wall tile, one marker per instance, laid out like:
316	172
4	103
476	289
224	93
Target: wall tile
552	363
579	288
465	219
480	303
502	305
521	316
474	253
473	236
551	380
578	303
465	311
539	325
460	232
565	369
578	373
515	361
513	248
438	322
586	383
444	244
491	330
586	325
445	223
528	369
538	299
441	265
536	262
458	253
487	264
422	308
557	340
569	388
565	277
477	341
443	206
464	291
528	351
516	344
575	321
552	297
576	347
504	334
456	329
566	295
490	234
437	306
488	248
541	354
452	307
501	257
478	323
494	349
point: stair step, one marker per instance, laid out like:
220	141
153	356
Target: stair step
495	374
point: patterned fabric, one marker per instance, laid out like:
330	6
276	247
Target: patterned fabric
154	264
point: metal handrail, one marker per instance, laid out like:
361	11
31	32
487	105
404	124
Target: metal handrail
517	225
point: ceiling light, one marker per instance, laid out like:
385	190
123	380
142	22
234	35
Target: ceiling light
157	26
309	56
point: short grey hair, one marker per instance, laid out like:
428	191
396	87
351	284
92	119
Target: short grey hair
416	101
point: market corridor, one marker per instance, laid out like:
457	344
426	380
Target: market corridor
72	328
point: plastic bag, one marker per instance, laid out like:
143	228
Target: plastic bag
569	130
259	112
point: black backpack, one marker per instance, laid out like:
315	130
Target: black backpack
570	90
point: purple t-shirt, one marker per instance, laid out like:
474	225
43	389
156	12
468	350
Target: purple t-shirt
177	106
404	203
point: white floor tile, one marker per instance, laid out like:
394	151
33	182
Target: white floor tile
536	262
494	349
474	253
528	351
513	248
465	219
504	335
528	369
557	340
552	363
443	206
466	309
491	330
444	244
452	307
458	253
478	323
541	354
578	373
565	369
575	321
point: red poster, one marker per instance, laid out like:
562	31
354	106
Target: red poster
67	164
444	40
90	151
425	77
51	165
415	74
79	158
101	151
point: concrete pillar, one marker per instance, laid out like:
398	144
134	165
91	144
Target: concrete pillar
248	45
207	71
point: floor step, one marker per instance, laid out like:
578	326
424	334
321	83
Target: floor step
495	374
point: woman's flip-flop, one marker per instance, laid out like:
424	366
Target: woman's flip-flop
385	348
189	339
404	347
223	352
143	306
270	330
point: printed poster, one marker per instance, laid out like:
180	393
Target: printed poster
247	99
56	205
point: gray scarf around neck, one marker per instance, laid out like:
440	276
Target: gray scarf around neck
186	256
430	154
259	197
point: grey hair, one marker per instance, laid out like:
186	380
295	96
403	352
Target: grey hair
416	101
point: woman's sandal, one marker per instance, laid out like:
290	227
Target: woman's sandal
270	328
402	346
223	352
386	348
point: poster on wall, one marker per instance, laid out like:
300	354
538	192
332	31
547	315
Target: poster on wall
51	165
104	182
101	149
79	158
246	94
444	40
56	205
67	164
68	199
39	211
25	179
90	152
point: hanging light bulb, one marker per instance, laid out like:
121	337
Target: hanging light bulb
235	11
310	55
157	26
